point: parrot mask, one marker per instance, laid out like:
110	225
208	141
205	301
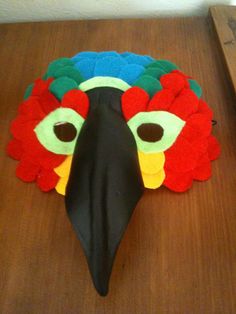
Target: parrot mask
102	127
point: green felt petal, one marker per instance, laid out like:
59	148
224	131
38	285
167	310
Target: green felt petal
47	137
165	65
28	91
155	72
171	124
62	85
56	64
70	72
195	87
149	84
104	81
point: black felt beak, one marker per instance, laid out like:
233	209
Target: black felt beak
105	183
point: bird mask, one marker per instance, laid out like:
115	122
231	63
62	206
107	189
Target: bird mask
101	127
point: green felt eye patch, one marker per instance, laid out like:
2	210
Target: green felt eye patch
170	123
47	137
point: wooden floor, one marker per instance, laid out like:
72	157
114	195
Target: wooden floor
179	252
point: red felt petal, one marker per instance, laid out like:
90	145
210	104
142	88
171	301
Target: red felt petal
31	109
161	100
205	109
178	182
14	149
213	148
185	104
198	126
134	100
183	75
173	81
27	170
181	157
77	100
200	146
21	128
48	102
203	171
40	86
47	180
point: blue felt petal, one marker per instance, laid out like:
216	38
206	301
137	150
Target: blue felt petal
136	59
130	73
85	54
104	54
109	66
126	54
86	67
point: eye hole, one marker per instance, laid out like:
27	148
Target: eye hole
65	131
150	132
155	131
59	130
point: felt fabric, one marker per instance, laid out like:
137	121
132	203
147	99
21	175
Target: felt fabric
14	149
62	85
149	84
28	91
71	72
64	169
133	101
185	104
130	73
109	66
47	180
164	65
174	81
63	172
86	67
196	88
127	66
57	64
153	181
47	137
101	81
171	124
76	100
161	101
151	163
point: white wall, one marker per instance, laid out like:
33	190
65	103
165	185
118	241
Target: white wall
39	10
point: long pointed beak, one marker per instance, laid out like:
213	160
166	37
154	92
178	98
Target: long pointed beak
104	186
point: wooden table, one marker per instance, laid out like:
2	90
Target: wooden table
179	252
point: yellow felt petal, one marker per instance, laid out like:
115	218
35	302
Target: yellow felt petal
153	181
64	169
61	185
151	163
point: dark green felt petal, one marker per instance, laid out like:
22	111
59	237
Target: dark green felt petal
55	65
149	84
28	91
165	65
196	88
62	85
69	71
155	72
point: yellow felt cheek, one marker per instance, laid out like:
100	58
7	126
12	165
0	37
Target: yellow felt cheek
61	185
151	163
153	181
64	169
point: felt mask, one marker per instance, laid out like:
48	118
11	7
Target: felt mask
100	128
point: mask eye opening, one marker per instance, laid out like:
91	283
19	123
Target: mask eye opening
150	132
65	131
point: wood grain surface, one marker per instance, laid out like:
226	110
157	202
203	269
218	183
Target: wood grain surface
224	21
179	252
